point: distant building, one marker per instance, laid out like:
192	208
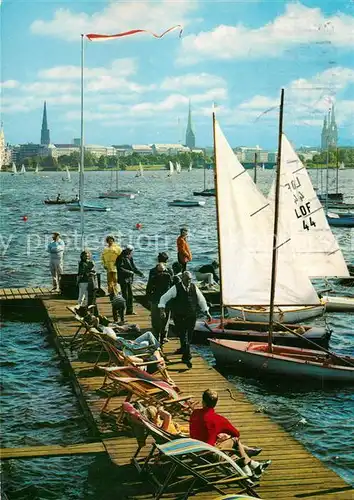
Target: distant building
57	150
190	135
5	152
29	150
169	149
329	134
77	141
142	149
45	135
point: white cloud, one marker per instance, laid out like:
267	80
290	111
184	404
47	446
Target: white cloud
297	26
192	80
9	84
119	67
47	88
116	17
259	102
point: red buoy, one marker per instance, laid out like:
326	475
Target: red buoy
138	225
25	218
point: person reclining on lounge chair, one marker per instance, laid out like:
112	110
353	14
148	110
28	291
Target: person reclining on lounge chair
103	325
162	419
208	426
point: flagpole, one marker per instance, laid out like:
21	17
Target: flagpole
82	152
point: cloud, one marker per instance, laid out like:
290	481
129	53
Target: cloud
119	67
9	84
116	17
297	26
192	80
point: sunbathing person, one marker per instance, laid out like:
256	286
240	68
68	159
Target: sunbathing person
208	426
162	419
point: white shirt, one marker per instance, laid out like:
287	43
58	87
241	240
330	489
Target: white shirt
172	294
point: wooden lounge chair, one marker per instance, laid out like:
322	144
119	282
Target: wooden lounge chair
145	388
200	463
139	357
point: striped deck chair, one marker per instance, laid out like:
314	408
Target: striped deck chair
233	497
146	388
200	463
140	358
142	427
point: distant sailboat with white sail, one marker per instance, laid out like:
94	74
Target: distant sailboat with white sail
178	167
190	167
14	169
36	170
68	176
140	172
171	168
23	169
342	166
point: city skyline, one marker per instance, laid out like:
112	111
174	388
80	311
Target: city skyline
137	91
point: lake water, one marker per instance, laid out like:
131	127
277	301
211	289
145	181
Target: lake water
38	405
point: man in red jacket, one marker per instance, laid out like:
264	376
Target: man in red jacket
208	426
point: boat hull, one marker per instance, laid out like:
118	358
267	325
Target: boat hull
305	363
341	221
88	208
281	314
339	303
187	204
258	332
60	202
206	192
116	196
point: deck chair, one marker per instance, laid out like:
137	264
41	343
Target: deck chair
146	388
233	497
142	427
140	358
200	463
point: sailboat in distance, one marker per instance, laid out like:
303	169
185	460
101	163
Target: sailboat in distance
14	169
171	169
118	193
23	169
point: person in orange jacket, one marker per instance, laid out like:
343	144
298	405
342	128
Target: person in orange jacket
109	257
184	254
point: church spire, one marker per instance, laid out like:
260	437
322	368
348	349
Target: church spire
45	136
190	136
324	134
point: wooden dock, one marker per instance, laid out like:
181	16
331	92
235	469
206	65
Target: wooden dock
294	472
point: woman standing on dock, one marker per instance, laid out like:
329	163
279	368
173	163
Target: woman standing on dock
56	250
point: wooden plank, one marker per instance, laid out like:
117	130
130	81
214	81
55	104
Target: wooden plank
51	450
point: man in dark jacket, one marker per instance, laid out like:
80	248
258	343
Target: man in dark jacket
207	273
186	299
126	270
160	281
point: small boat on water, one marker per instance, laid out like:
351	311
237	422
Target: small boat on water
338	303
288	314
258	332
205	192
186	203
283	361
115	195
339	205
331	196
340	220
60	202
88	207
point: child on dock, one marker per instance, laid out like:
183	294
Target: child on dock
118	307
86	279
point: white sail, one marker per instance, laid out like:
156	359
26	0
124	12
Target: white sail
304	218
342	166
178	167
246	238
68	176
36	170
14	168
141	168
190	167
171	167
263	166
23	169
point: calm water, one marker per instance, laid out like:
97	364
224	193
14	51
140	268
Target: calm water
38	405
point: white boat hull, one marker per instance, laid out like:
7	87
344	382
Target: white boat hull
305	363
281	314
338	303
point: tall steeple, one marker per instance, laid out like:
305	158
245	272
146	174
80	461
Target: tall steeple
190	136
324	134
333	131
45	136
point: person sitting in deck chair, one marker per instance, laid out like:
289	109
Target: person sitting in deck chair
163	419
208	426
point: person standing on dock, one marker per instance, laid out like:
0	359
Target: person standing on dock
185	298
126	269
109	257
184	254
86	279
56	250
160	281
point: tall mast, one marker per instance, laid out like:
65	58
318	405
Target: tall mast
255	169
82	151
275	227
337	168
218	220
204	175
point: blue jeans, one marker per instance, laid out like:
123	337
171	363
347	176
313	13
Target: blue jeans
148	337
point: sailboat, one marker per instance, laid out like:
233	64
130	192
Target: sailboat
245	229
140	173
205	192
118	193
171	169
178	167
233	226
14	169
23	169
342	166
68	176
190	167
36	170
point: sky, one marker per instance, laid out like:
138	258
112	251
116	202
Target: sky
236	54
